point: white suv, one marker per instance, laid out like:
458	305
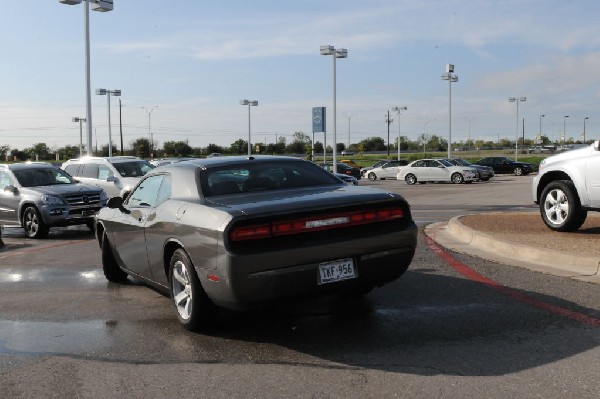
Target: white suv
115	175
567	187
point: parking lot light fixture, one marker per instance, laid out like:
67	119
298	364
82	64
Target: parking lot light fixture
108	93
451	78
80	120
517	100
97	5
564	137
249	103
399	111
336	53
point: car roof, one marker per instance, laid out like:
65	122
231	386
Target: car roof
232	160
28	165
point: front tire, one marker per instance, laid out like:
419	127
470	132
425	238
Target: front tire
410	179
111	269
560	207
33	224
194	308
457	178
518	171
372	176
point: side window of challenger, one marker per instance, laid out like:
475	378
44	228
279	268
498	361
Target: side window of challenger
146	194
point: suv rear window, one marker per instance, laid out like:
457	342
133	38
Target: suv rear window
133	169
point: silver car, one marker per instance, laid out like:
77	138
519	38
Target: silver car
39	196
236	232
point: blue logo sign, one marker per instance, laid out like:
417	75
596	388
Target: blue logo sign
318	119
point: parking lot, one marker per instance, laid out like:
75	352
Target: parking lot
66	332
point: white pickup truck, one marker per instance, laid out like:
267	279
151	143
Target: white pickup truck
567	186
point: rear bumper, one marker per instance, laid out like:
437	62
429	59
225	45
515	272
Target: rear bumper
246	281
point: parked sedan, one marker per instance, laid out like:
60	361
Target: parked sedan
343	169
484	173
253	229
507	165
387	170
435	170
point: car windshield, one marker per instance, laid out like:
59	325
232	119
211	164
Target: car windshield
31	177
134	168
236	179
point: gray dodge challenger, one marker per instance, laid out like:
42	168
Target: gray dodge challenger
237	232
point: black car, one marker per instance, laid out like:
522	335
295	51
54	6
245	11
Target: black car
507	165
485	173
342	168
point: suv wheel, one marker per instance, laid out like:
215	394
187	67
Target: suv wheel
33	224
560	207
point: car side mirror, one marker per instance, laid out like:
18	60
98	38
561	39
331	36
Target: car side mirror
11	189
117	203
111	179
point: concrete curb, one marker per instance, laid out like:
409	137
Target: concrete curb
460	238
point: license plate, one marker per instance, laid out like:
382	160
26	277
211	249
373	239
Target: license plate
337	270
87	213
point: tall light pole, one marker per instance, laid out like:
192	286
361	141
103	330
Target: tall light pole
349	118
564	137
80	120
424	133
97	5
584	119
451	78
108	93
150	137
336	53
540	138
517	100
388	121
399	111
249	103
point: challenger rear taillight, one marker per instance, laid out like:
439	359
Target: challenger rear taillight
314	223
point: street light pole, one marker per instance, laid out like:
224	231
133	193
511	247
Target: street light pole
108	93
349	117
584	119
336	53
388	120
150	136
249	103
517	100
399	111
451	78
80	120
564	138
540	138
102	6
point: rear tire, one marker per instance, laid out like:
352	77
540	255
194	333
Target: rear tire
112	271
194	309
33	224
560	206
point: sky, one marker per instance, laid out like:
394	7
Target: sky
190	62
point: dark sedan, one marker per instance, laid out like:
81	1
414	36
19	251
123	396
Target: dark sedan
507	165
484	173
343	169
236	232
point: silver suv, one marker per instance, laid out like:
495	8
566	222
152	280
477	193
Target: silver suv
567	187
38	196
115	175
